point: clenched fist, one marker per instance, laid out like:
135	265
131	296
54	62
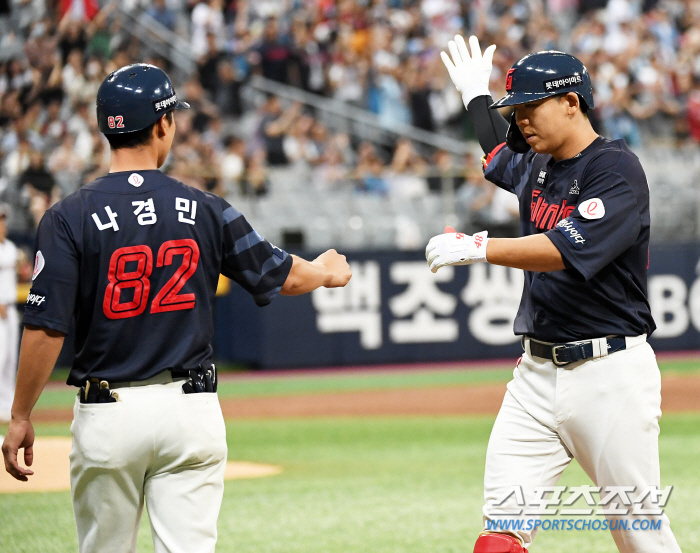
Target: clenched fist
338	268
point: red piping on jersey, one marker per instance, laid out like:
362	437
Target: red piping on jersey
487	159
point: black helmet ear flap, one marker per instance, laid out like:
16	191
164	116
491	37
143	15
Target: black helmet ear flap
515	139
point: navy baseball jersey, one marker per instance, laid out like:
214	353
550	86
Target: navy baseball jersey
134	258
594	207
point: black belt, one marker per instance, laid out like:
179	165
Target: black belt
563	354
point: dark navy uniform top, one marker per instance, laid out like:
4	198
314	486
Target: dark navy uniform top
135	258
595	209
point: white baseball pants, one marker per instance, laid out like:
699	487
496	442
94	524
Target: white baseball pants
603	412
156	443
9	344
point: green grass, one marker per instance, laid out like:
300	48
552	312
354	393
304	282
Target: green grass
368	485
679	366
261	385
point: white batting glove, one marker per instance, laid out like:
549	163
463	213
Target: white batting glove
456	248
470	74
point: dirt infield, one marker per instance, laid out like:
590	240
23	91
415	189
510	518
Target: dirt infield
679	393
52	469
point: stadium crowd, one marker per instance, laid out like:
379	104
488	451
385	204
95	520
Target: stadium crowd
380	55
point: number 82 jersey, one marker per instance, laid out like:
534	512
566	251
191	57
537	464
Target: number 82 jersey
134	258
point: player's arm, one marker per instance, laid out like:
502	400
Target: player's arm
264	270
37	357
530	253
330	270
47	318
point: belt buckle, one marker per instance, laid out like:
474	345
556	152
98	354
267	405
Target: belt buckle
555	359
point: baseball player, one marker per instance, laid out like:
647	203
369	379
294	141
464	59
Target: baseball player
587	386
133	259
9	321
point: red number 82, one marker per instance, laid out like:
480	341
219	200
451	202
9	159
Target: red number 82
116	122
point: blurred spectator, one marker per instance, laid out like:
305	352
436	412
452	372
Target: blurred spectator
446	175
255	181
208	66
162	14
18	159
53	126
273	127
207	18
306	58
233	163
369	173
331	171
65	162
417	81
36	177
98	165
297	144
74	81
203	109
274	53
504	217
227	94
405	175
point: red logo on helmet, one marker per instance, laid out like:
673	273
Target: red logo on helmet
509	79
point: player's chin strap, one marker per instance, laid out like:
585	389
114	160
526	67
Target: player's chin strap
515	139
498	543
201	380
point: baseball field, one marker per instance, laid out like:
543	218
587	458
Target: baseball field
383	460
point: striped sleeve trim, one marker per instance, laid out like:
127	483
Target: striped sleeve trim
247	242
230	214
253	278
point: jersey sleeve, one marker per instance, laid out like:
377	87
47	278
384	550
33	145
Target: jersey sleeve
250	260
51	300
605	223
506	169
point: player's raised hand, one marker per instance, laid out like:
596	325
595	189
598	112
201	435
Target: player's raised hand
338	267
455	248
469	73
20	435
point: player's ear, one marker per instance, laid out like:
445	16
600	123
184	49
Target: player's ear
162	127
163	124
573	102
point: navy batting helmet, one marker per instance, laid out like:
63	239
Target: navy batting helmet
134	97
545	74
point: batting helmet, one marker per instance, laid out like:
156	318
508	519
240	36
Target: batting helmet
134	97
545	74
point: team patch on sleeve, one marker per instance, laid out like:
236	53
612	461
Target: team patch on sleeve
38	264
36	300
592	209
573	232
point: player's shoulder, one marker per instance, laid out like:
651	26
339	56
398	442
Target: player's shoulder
614	156
67	208
613	153
137	182
129	182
